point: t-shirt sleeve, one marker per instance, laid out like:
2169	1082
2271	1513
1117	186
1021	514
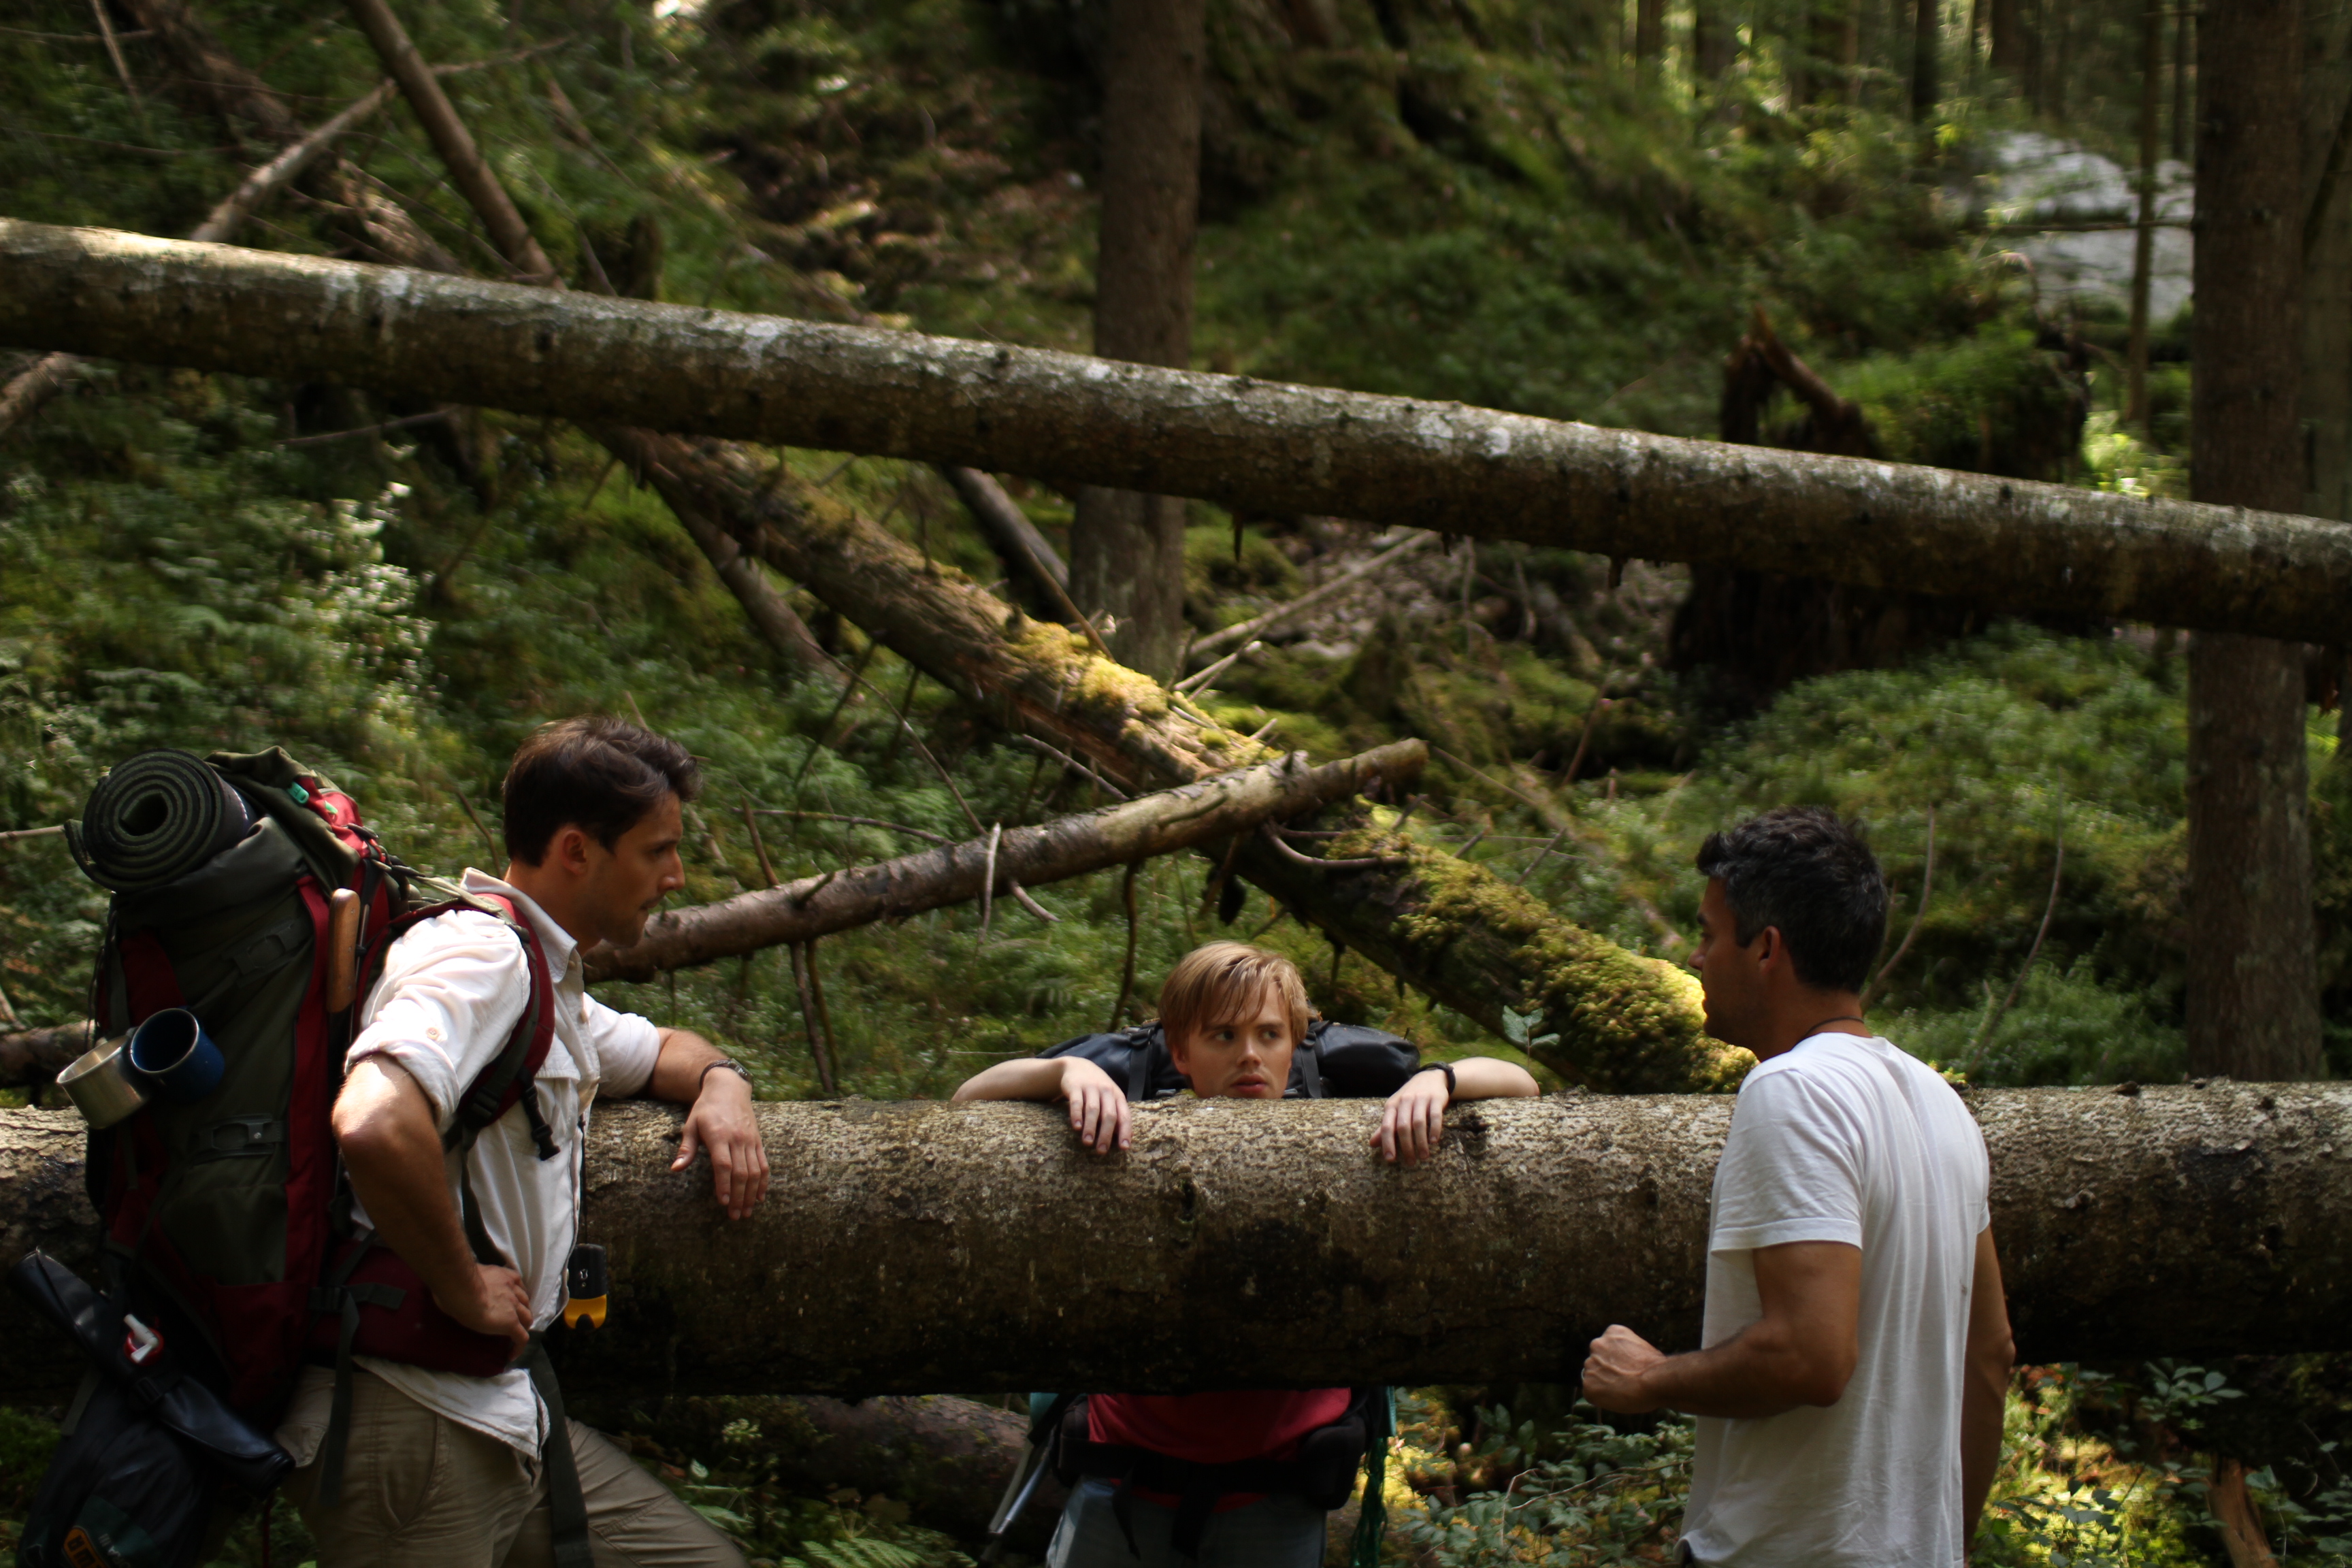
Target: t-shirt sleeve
626	1047
1791	1171
453	990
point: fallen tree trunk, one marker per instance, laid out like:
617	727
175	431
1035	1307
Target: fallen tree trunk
1181	818
927	1247
25	394
1264	445
945	1457
32	1056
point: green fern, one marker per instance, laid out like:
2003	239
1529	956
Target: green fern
870	1551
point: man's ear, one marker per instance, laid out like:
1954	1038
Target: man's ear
569	849
1180	1053
1771	949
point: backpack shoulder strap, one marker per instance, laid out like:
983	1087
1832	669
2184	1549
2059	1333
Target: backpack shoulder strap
509	1076
1306	1061
1140	1040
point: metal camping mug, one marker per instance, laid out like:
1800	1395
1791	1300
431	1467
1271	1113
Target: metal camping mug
171	1051
99	1086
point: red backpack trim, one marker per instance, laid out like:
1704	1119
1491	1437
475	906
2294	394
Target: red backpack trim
371	1301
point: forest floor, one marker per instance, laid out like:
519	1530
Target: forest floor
206	561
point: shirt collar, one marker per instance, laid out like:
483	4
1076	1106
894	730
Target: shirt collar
553	940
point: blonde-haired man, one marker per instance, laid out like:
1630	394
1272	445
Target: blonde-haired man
1231	1020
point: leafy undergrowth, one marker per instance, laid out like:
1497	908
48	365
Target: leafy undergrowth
2099	1469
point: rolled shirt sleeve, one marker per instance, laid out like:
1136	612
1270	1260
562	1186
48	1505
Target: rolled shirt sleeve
627	1045
453	990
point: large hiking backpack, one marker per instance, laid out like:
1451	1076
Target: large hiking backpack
1346	1061
226	1222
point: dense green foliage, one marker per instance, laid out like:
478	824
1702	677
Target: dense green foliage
1453	199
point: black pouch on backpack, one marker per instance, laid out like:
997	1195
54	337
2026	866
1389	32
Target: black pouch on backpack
1329	1456
151	1451
121	1492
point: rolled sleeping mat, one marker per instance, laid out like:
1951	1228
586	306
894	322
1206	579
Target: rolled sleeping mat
154	818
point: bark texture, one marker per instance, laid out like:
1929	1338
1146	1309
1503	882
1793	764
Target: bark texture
1127	549
1181	818
1232	439
2253	974
945	1457
929	1247
36	1057
31	388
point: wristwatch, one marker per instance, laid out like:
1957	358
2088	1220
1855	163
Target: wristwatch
1445	1068
730	1065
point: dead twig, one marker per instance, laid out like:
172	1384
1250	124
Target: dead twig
1357	864
467	807
1541	856
1926	886
921	833
1068	761
1127	968
759	845
988	883
1992	1024
1218	641
13	835
817	1053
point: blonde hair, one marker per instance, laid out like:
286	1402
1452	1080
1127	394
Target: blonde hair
1215	983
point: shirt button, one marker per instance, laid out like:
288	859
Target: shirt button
433	1031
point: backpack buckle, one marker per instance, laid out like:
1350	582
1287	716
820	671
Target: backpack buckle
235	1136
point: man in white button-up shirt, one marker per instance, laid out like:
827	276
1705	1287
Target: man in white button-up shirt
442	1469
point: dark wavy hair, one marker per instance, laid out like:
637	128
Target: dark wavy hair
1804	869
599	775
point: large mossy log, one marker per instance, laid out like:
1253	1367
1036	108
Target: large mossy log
1262	445
926	1246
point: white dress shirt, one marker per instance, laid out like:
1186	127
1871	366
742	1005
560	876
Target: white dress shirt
451	992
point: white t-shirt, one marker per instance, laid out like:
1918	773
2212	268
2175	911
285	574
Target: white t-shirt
1847	1138
452	991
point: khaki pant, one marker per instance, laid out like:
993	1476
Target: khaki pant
422	1491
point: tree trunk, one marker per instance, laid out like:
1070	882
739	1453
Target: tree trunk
1714	43
2252	978
1027	554
2008	52
926	1246
1181	818
2151	88
2183	36
29	390
1127	549
451	140
945	1457
1756	633
1234	439
1649	39
2326	400
30	1058
1926	54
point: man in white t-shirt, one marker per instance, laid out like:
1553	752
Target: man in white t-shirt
1856	1344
